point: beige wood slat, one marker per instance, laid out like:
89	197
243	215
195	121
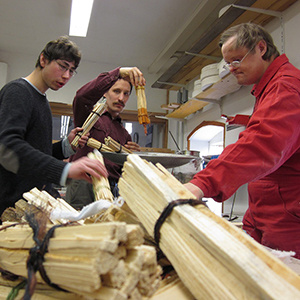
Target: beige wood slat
186	109
173	290
160	150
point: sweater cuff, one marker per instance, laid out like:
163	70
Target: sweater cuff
67	148
64	175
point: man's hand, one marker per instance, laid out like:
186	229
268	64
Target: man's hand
195	190
83	139
133	146
86	167
133	74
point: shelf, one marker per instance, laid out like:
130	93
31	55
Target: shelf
170	106
159	150
221	88
214	93
186	109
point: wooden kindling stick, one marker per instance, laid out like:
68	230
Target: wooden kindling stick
91	120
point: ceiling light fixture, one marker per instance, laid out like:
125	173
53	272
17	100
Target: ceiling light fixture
80	17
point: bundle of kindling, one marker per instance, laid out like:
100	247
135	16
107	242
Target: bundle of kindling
212	257
95	261
97	111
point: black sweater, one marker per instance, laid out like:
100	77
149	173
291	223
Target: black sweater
26	150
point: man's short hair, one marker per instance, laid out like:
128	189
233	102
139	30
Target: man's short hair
248	35
61	48
131	86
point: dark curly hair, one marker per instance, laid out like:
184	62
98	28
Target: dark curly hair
61	48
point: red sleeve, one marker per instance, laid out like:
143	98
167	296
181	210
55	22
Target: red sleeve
271	138
90	93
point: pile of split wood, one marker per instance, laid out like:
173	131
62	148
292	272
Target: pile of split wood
213	258
90	261
109	256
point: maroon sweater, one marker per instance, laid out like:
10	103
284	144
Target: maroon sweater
83	104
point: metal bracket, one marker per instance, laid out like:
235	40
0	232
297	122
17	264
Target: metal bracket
204	56
171	83
214	101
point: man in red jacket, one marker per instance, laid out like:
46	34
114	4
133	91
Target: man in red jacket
267	153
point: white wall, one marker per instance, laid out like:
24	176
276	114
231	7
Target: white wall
3	73
20	65
198	145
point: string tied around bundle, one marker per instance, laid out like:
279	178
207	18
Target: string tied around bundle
36	256
168	210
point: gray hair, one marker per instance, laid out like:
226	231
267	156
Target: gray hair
248	35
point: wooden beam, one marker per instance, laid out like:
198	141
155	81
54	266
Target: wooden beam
61	109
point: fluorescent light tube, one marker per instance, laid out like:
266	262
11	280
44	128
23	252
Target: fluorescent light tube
80	17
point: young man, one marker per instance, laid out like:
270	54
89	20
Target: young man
26	148
267	153
116	87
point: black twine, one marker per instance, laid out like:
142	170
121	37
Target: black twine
96	113
35	262
44	250
8	275
100	146
119	151
167	211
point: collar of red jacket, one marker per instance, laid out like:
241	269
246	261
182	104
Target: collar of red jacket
268	75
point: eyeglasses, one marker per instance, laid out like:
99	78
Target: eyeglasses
64	69
236	63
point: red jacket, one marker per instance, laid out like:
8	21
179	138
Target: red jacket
268	153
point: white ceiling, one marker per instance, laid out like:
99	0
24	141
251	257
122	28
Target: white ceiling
122	32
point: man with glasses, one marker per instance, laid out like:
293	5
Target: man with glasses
27	157
267	153
236	63
65	67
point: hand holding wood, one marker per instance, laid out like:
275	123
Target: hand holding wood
134	75
82	140
85	167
